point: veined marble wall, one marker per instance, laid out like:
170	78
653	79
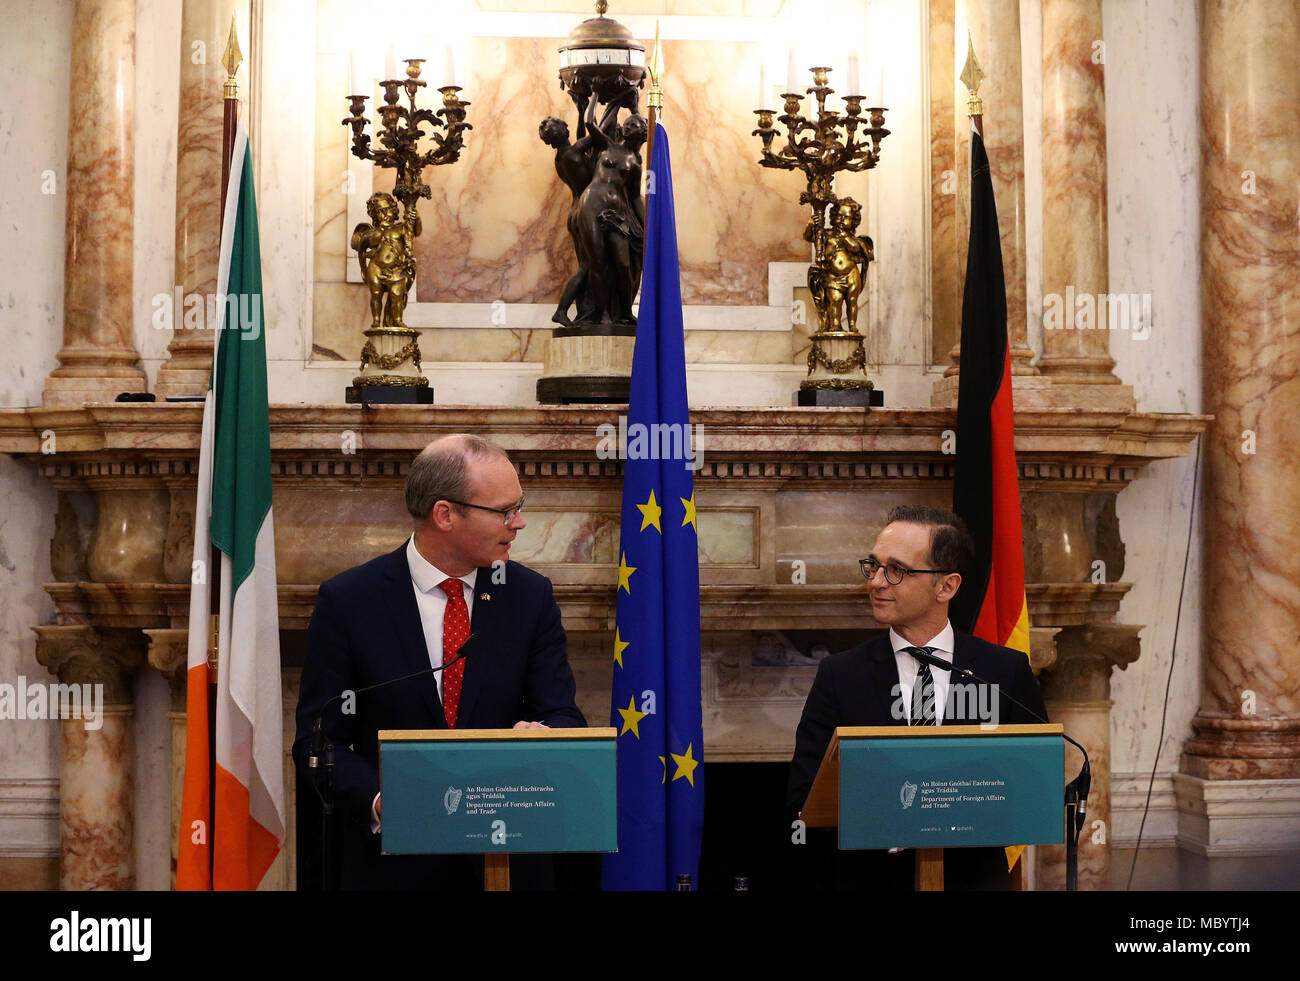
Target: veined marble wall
34	146
1152	87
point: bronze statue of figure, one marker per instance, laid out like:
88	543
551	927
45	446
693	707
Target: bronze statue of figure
574	165
606	220
386	251
840	266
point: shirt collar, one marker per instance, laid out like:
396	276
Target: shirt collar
942	642
427	576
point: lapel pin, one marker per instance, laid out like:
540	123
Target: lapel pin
485	596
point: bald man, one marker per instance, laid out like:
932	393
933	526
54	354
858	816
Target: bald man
411	610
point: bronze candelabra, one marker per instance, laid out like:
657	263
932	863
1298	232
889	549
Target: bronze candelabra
821	147
390	359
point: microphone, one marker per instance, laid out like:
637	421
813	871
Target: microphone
317	732
925	657
1083	782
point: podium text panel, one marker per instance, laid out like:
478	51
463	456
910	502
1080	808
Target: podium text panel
956	792
504	795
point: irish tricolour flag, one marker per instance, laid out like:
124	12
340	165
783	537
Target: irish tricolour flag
232	816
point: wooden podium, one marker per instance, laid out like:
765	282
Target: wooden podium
1021	765
497	791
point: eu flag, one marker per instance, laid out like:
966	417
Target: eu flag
656	691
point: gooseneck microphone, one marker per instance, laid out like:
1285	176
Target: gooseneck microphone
317	732
1076	792
322	777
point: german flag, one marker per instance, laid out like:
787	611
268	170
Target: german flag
986	489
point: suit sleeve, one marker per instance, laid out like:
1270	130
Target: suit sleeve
550	693
816	725
326	672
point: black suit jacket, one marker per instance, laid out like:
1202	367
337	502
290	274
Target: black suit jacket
857	688
366	630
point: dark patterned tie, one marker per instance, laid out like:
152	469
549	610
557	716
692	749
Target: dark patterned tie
455	631
923	713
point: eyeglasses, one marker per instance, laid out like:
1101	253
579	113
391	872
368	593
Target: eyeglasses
894	572
508	514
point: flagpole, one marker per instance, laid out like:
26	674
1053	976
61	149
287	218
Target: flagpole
971	76
655	97
231	60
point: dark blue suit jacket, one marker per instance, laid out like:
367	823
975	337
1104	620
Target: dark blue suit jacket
365	630
856	688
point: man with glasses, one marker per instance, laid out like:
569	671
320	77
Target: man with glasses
913	572
411	610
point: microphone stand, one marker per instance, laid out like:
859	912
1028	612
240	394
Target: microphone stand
323	776
1076	791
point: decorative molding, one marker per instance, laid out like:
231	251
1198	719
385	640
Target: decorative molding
29	817
1052	444
590	606
1128	795
1238	818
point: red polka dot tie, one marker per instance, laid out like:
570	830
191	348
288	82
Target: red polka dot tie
455	631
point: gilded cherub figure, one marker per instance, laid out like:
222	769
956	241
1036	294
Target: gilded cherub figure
840	268
386	251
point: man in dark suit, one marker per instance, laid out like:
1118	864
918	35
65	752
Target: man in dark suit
914	570
411	610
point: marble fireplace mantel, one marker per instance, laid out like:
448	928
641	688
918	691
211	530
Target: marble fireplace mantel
122	546
787	498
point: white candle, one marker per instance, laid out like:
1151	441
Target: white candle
851	74
354	80
792	73
762	87
448	74
390	61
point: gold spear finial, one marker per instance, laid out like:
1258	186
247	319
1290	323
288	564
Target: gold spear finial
971	76
231	61
655	69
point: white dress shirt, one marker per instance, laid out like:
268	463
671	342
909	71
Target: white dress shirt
908	666
432	601
426	578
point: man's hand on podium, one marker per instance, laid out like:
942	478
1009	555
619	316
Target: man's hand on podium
531	725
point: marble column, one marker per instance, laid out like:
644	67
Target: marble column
98	359
198	191
96	789
1248	725
945	273
168	652
1077	693
1076	343
994	29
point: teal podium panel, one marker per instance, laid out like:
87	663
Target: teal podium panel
954	791
468	795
